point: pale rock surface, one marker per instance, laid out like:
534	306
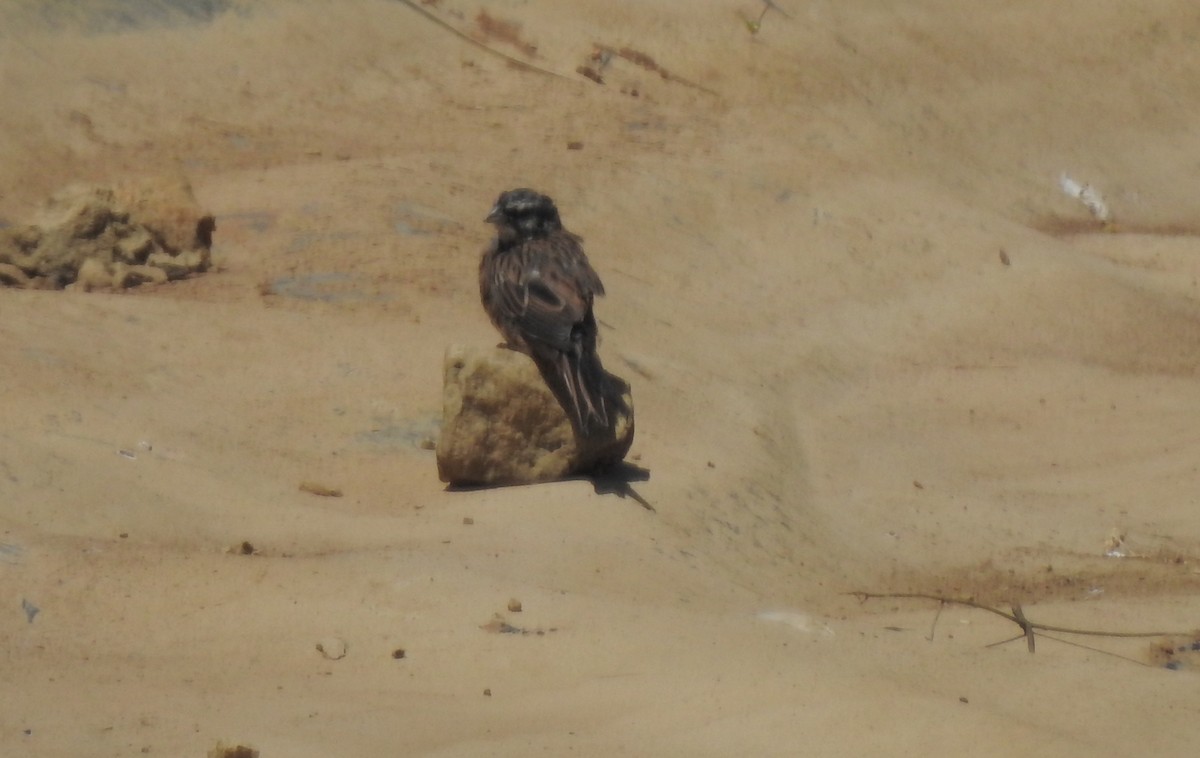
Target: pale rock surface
876	348
502	425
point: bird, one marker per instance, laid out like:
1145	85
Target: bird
538	288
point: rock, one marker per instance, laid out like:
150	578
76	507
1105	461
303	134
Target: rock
502	425
12	276
93	274
232	751
135	248
80	211
182	264
129	276
167	208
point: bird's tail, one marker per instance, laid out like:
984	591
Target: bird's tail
583	381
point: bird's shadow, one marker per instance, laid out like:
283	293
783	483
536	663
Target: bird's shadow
614	479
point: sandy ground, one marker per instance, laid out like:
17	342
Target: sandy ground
840	384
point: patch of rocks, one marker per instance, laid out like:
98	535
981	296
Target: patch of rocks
109	238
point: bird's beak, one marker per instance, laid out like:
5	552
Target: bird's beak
495	215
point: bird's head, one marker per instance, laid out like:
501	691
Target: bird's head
522	214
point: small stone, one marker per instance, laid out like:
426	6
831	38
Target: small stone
130	276
93	275
245	548
468	521
232	751
514	605
12	276
487	691
180	265
135	248
316	488
398	653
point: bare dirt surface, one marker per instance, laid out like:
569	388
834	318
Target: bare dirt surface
873	347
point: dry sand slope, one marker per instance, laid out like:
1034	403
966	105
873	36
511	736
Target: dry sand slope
872	345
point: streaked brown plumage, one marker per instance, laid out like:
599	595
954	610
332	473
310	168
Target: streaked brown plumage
538	287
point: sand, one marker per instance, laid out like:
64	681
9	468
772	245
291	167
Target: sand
874	347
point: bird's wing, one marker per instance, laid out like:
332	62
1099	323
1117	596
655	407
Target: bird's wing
576	264
553	304
539	297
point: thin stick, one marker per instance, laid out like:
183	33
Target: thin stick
1005	642
1074	644
1027	626
1098	650
936	616
771	4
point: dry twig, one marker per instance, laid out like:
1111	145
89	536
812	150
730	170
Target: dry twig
1028	628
